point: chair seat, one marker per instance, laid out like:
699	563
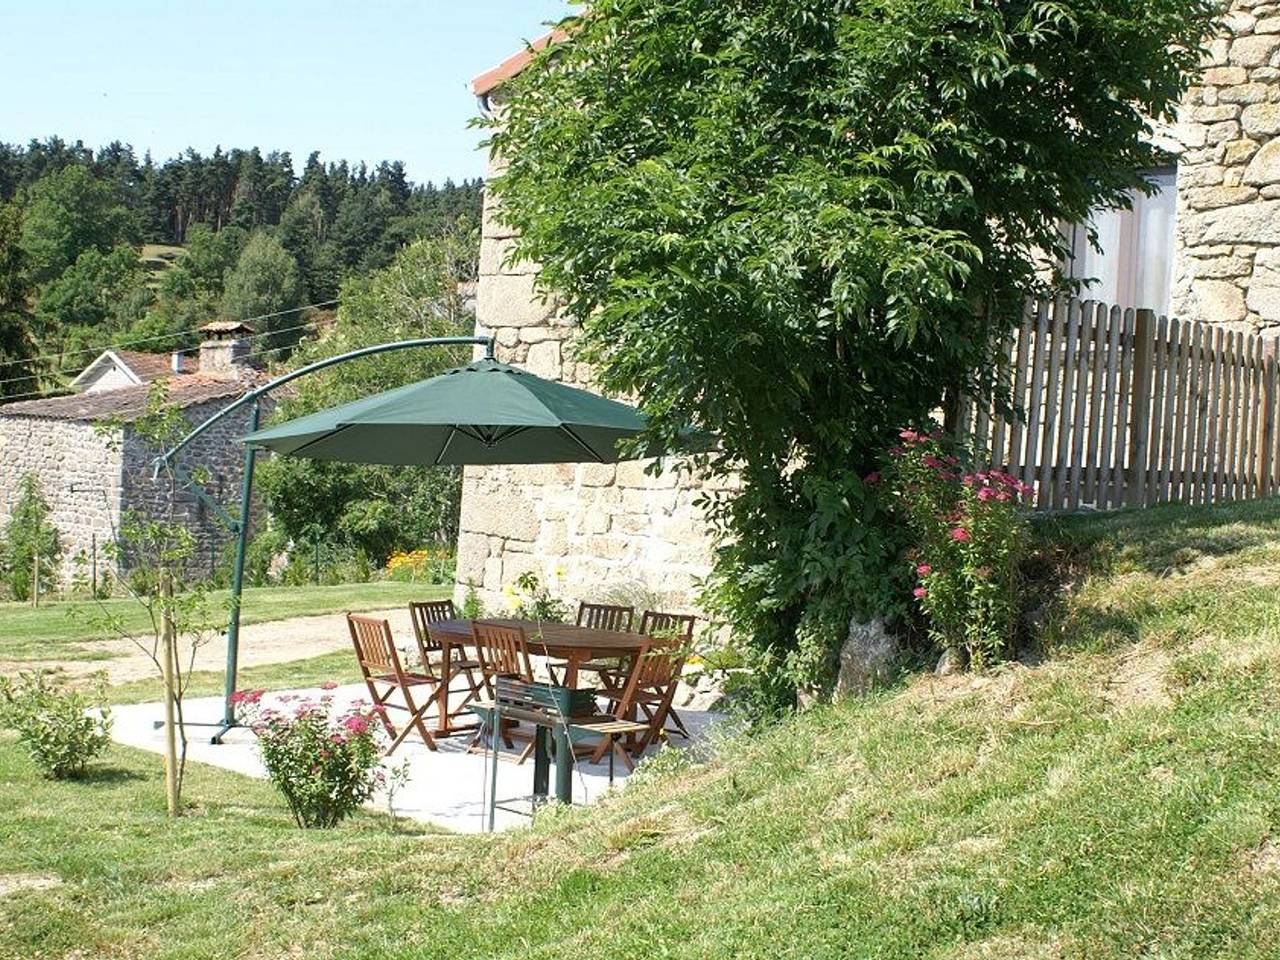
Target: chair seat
412	679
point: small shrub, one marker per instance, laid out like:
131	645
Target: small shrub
425	565
325	766
30	535
530	599
472	605
62	729
970	535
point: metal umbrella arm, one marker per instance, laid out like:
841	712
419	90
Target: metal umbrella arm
240	526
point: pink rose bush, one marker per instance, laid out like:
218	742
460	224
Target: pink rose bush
970	534
326	764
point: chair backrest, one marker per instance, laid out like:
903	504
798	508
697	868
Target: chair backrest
423	614
603	616
668	626
375	647
502	649
656	671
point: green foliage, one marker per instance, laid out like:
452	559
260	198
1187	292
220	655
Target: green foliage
30	533
531	599
797	224
969	541
265	281
62	729
376	509
325	767
67	213
90	291
472	605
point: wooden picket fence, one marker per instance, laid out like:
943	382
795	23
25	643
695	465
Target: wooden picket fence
1121	408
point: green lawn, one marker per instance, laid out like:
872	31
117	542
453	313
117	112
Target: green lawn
1120	800
59	630
339	666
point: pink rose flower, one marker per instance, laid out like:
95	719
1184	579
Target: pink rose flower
960	535
924	570
920	593
872	478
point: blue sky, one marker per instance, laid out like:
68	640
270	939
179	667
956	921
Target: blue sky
375	80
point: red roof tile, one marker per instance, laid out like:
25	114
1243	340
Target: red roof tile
148	366
493	78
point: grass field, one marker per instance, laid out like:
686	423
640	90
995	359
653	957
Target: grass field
61	630
1120	800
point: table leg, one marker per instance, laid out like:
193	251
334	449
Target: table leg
564	765
493	770
571	670
541	764
444	725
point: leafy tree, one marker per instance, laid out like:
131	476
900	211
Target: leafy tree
377	509
264	281
15	316
30	533
69	212
91	290
797	222
210	255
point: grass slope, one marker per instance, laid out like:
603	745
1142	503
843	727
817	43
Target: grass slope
61	630
1120	800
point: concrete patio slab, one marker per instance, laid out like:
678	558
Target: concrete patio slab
447	787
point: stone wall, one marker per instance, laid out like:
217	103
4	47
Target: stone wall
80	477
88	479
1227	267
219	455
599	531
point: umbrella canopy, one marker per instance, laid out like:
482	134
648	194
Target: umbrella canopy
482	413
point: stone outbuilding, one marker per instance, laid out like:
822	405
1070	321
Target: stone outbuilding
1205	247
94	468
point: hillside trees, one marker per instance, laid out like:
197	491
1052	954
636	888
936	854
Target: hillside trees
69	212
797	223
265	282
377	509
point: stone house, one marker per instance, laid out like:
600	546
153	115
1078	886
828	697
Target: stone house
1206	247
92	474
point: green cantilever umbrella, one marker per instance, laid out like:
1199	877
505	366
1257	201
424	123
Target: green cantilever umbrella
484	412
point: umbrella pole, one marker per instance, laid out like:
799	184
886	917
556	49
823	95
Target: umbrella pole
237	582
253	398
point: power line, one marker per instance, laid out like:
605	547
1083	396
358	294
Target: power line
166	336
300	326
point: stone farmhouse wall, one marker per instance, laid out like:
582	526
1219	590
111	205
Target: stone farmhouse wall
89	479
1227	268
605	526
80	476
219	454
597	531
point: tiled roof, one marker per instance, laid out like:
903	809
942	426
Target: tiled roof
493	78
147	366
127	403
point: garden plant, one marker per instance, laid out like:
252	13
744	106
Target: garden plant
325	763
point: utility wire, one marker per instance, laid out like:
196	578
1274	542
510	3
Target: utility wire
165	336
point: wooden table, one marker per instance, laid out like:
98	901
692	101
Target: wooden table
564	641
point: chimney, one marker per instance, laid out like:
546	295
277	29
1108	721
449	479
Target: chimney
225	348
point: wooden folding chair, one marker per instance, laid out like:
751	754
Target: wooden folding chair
649	690
675	628
380	663
501	651
599	616
423	615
